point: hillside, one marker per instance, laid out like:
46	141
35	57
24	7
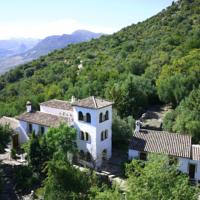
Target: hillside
25	53
155	61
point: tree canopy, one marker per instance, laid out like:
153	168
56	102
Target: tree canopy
5	134
157	180
142	64
186	117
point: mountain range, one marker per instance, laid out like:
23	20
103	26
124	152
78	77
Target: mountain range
16	46
19	51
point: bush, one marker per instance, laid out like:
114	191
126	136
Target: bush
185	119
1	181
13	154
25	179
5	133
156	179
168	121
122	130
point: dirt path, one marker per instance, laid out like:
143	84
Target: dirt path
153	117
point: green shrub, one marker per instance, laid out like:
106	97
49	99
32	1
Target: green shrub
25	180
13	154
5	133
1	181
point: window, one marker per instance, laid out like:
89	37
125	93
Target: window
42	129
81	135
80	116
100	117
143	156
84	136
191	170
107	115
88	118
104	135
30	128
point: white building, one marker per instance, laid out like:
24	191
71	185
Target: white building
178	146
92	117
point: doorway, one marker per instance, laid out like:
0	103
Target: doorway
104	154
15	141
192	169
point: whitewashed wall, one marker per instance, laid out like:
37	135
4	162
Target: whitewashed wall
59	112
90	145
133	154
184	166
105	125
95	146
23	137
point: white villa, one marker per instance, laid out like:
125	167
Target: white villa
177	146
92	117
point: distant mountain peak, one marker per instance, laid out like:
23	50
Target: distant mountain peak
82	31
44	47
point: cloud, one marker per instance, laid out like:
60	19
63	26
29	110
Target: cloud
43	29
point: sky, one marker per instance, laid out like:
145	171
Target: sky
41	18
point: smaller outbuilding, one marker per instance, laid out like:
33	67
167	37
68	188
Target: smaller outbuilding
176	146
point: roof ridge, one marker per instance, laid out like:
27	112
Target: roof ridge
61	100
166	132
9	118
159	142
94	100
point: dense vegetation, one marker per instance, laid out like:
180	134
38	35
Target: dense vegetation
122	130
147	63
1	181
57	178
156	179
156	61
186	118
5	134
49	167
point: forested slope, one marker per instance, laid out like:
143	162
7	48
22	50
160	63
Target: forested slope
157	60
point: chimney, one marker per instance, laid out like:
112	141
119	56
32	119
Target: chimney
28	106
73	99
138	123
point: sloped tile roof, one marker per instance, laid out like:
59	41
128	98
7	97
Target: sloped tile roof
12	122
92	102
162	142
43	119
195	152
59	104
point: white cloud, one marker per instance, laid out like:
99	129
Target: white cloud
43	29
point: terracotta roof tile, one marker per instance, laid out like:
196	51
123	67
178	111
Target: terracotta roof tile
42	119
59	104
195	152
12	122
162	142
92	102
